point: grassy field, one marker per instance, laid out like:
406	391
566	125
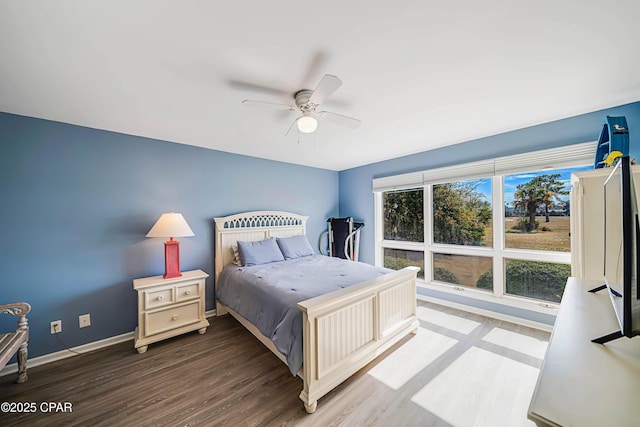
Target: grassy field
551	236
467	269
556	236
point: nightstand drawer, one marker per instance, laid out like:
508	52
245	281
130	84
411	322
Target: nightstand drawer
172	317
169	307
187	292
158	298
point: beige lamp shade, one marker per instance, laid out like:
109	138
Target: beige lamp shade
170	225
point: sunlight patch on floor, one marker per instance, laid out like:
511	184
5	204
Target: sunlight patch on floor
518	342
481	388
411	358
449	321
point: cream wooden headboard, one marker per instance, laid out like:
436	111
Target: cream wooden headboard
251	226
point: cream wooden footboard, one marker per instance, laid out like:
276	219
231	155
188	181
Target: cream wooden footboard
343	330
346	329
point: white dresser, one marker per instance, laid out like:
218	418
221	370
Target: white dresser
583	384
169	307
587	221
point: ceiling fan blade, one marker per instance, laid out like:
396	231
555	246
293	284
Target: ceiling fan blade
317	63
339	119
271	105
325	88
236	84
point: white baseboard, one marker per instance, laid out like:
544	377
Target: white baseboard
489	313
59	355
85	348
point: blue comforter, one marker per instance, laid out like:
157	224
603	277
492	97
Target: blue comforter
267	294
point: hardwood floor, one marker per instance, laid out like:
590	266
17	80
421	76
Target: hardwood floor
460	369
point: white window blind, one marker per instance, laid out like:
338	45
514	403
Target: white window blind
398	182
461	172
553	158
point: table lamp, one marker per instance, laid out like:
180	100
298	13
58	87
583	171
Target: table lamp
171	225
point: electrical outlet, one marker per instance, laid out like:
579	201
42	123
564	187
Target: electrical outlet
56	326
84	320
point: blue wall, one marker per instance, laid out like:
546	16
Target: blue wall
356	197
77	203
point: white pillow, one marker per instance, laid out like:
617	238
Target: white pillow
236	255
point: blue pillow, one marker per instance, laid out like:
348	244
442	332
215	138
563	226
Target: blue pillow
259	252
295	246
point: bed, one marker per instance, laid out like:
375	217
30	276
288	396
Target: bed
342	330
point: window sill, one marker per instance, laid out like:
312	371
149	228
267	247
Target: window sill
507	301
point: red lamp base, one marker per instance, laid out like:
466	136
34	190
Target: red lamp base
171	259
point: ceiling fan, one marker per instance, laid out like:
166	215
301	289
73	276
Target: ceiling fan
307	101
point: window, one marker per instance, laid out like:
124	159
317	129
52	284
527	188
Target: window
465	270
404	224
462	213
500	228
398	259
462	216
403	219
537	210
540	280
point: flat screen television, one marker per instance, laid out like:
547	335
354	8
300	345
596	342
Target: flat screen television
621	254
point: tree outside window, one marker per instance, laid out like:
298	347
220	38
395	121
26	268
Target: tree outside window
403	215
537	210
462	213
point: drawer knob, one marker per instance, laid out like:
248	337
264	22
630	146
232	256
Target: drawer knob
188	292
174	317
160	297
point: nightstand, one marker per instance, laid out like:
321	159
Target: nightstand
169	307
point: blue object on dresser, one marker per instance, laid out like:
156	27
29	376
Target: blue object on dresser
613	137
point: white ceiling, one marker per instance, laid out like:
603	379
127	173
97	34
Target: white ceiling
419	74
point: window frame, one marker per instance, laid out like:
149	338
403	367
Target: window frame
564	157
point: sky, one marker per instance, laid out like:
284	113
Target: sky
512	181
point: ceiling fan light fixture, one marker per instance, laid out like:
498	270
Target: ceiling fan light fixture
307	124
